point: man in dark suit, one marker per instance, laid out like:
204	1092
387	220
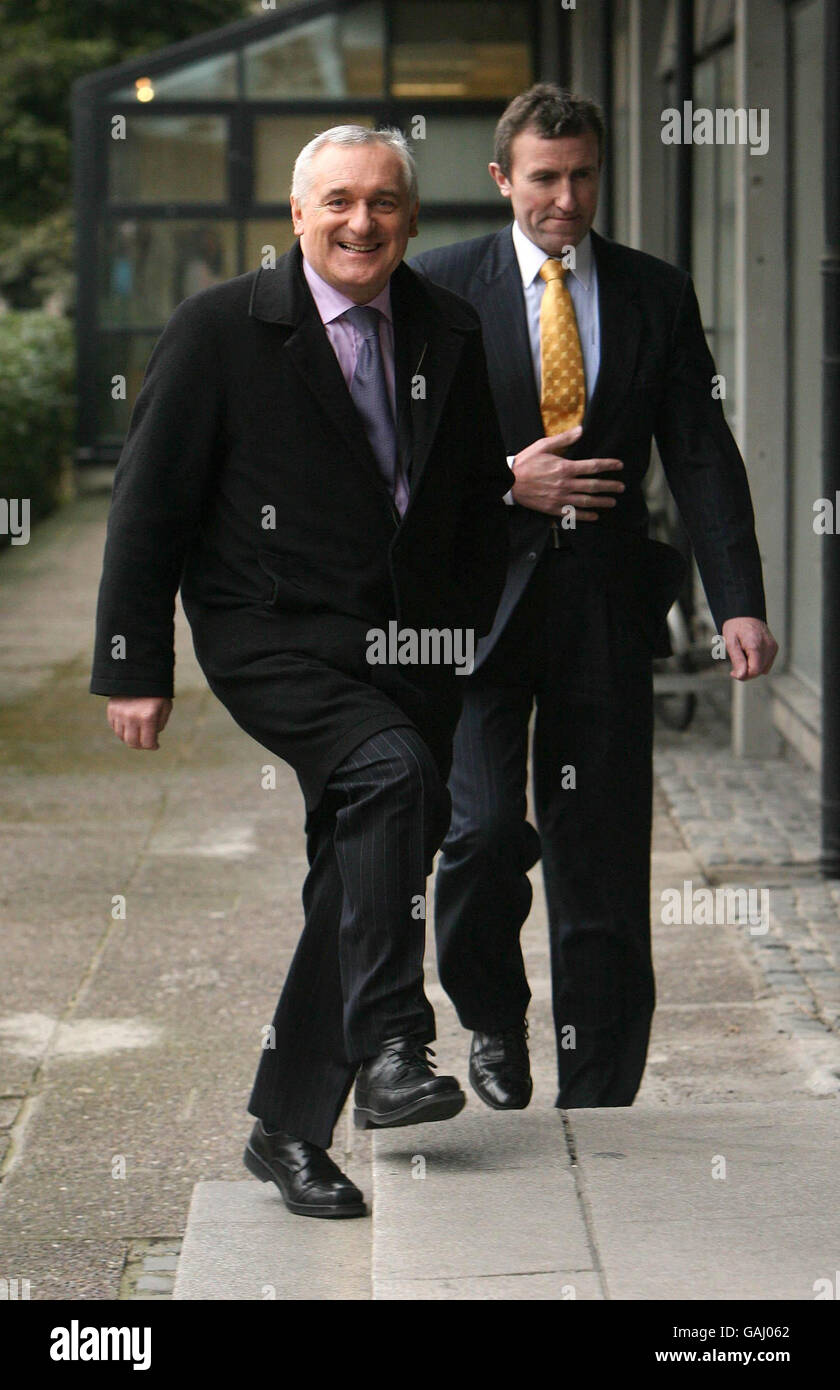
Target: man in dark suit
313	457
593	349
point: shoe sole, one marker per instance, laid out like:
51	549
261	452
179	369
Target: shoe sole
417	1112
261	1170
492	1104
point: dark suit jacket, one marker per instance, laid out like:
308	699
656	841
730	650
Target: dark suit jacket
243	410
654	381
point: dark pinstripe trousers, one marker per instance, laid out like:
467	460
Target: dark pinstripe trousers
357	974
575	651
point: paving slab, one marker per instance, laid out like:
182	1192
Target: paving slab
485	1197
507	1288
666	1227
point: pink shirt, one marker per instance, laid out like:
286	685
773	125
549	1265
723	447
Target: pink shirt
345	339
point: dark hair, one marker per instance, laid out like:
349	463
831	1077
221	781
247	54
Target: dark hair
550	112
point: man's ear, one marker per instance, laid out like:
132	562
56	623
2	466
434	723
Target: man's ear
297	216
412	221
500	179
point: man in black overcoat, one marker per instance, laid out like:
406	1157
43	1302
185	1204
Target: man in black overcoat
583	611
314	459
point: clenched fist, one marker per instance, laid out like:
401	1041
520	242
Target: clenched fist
138	719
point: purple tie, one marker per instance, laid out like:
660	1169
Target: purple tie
369	391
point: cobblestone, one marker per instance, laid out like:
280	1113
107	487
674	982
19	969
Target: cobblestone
762	816
150	1269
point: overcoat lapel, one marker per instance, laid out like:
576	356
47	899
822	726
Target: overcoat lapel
427	349
282	296
408	360
427	344
310	352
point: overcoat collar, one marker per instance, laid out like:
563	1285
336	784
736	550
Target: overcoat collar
429	329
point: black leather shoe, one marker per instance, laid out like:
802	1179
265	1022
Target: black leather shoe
500	1071
310	1183
399	1087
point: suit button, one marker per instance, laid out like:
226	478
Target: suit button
532	554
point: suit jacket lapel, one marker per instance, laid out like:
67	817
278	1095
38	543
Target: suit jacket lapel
497	293
620	322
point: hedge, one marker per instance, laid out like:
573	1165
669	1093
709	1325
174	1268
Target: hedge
36	407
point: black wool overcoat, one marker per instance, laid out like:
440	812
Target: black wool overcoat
247	480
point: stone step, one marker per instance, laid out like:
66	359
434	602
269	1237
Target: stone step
698	1202
241	1243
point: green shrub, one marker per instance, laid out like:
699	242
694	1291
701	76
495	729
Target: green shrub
36	407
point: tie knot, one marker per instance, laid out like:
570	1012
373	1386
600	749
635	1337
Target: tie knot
552	270
364	319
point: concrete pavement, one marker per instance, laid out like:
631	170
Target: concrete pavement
129	1041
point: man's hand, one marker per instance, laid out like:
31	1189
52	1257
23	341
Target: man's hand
138	719
750	646
548	482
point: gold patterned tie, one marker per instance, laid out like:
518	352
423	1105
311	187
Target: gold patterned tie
563	394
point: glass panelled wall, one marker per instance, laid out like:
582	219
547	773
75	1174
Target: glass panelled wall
203	80
337	55
165	159
195	189
150	265
279	139
476	49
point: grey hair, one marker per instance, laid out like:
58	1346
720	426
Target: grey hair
354	135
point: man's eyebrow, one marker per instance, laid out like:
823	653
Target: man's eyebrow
576	169
377	193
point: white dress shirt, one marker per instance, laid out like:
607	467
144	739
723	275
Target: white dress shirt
582	283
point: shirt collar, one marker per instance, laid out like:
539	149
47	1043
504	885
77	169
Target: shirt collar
331	303
531	258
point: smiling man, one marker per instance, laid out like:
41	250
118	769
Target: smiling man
594	350
353	244
280	469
